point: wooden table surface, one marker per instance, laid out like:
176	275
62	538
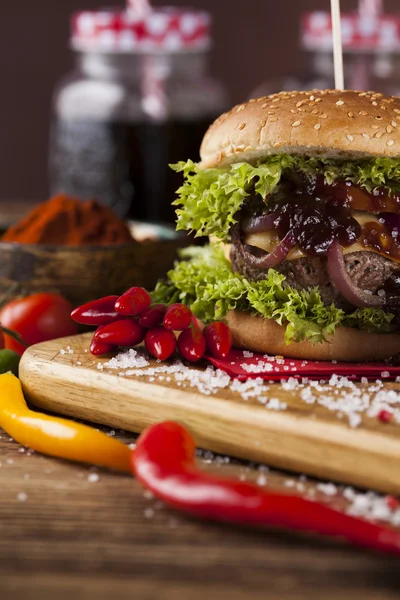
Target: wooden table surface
70	529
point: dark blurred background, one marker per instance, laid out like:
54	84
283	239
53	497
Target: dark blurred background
254	40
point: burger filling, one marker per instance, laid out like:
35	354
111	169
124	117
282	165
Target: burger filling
339	237
312	243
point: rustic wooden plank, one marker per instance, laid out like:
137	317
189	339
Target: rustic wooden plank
305	437
106	538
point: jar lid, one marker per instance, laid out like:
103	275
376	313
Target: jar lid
163	29
380	33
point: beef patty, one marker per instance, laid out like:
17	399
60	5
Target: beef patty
368	271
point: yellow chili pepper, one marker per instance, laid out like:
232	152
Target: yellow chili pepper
54	436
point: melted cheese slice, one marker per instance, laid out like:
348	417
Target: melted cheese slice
269	239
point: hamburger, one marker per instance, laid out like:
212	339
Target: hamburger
299	193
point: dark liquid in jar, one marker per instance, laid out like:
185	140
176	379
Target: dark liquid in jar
124	165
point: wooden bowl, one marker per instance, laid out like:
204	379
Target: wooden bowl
86	272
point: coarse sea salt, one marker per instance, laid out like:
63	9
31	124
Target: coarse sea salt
127	360
339	395
260	367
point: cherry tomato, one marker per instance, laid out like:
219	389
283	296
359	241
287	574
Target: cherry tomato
37	318
2	340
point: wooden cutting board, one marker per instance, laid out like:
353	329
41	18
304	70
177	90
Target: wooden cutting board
62	377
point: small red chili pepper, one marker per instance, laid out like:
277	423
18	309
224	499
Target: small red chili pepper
133	302
192	344
98	312
173	477
219	339
153	316
160	343
178	317
392	502
126	332
385	416
97	347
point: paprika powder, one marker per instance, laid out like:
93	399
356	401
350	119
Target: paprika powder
68	221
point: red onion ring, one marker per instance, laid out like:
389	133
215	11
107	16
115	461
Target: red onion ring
259	223
268	260
342	281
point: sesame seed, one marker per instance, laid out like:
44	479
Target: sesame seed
349	137
271	112
265	105
312	97
239	108
390	143
296	123
362	94
323	116
366	136
317	126
276	100
318	100
276	145
394	124
350	114
378	134
396	110
339	103
242	126
314	111
273	120
374	103
363	113
389	129
374	126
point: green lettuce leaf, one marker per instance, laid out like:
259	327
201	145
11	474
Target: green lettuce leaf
205	282
209	199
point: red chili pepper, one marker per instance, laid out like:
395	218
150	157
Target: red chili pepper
160	343
178	317
98	312
97	347
126	332
192	344
135	301
219	339
385	416
174	478
153	316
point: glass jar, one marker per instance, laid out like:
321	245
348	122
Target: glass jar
371	55
139	99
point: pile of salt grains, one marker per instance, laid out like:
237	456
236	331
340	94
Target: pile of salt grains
338	394
341	396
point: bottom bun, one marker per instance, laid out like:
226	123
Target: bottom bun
346	344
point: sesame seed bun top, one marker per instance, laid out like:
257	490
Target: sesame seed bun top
330	123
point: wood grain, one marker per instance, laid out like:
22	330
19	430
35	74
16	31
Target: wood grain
85	272
108	540
304	438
